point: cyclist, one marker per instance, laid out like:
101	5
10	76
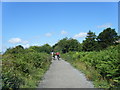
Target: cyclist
58	55
54	55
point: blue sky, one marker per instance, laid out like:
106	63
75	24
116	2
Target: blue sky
38	23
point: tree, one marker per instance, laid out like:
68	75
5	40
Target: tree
107	37
89	44
15	50
46	48
65	45
74	45
61	46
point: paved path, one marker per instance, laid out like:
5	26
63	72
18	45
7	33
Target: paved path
62	75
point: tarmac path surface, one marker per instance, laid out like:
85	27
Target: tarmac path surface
62	75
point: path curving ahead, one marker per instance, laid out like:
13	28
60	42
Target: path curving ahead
62	75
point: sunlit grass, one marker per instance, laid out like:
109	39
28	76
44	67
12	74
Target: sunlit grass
25	70
100	67
91	75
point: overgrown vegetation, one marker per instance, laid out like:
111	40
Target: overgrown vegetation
102	67
23	68
98	57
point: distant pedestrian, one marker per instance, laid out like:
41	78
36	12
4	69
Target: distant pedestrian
58	55
52	53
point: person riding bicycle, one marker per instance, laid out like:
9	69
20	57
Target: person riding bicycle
58	55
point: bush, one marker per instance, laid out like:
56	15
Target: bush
106	63
23	69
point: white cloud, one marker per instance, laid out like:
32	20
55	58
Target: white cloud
48	34
82	34
63	32
24	42
17	40
35	44
26	46
104	25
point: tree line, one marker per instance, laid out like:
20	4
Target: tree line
92	42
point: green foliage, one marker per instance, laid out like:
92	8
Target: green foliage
107	37
45	48
23	68
15	50
90	44
105	62
66	45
